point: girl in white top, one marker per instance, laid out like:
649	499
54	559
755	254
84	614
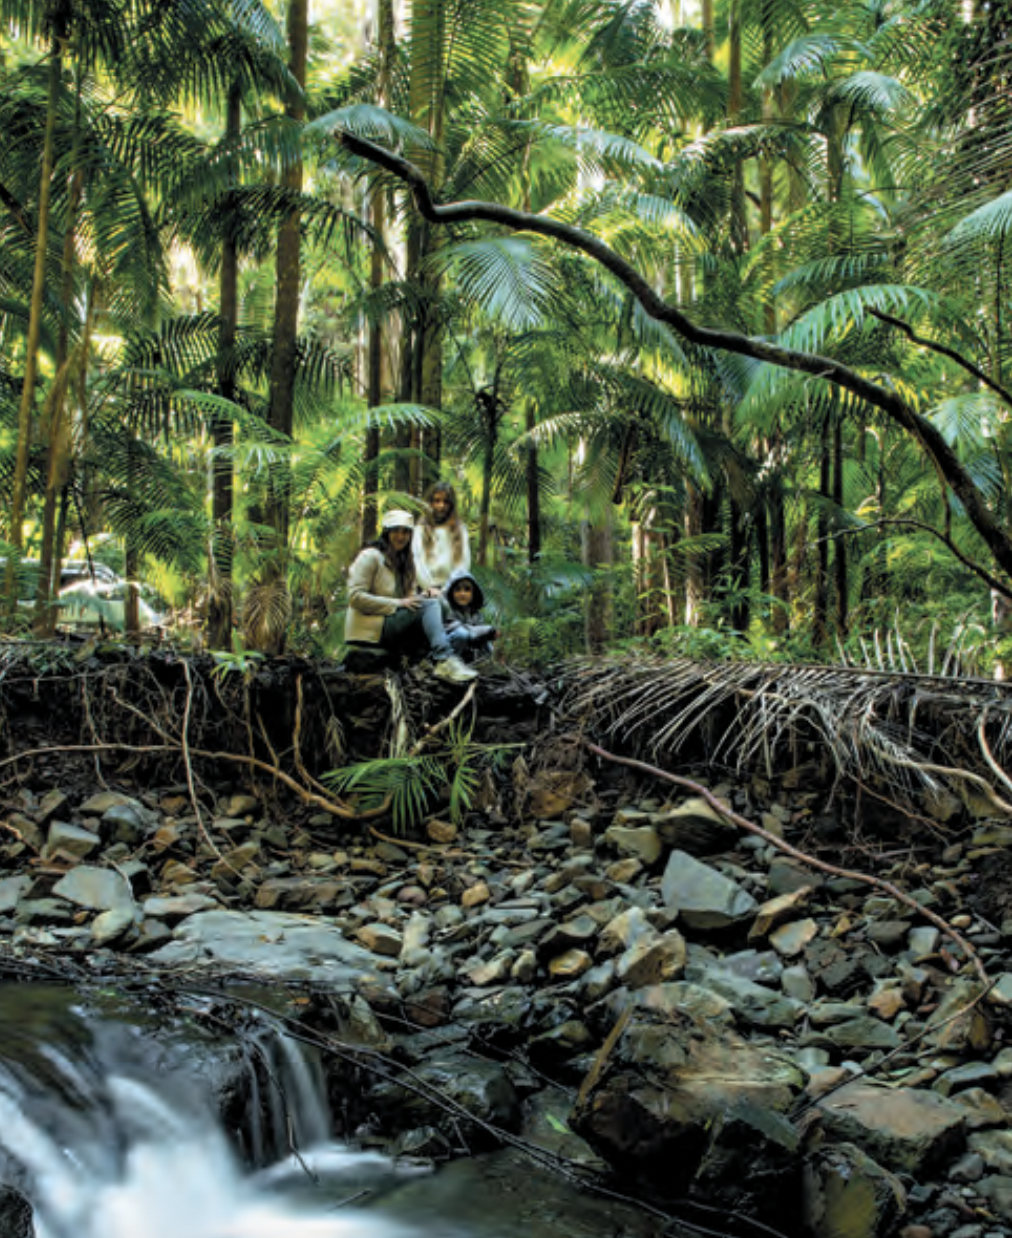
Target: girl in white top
440	545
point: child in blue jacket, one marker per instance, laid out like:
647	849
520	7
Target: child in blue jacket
461	601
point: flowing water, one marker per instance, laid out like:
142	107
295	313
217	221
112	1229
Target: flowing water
110	1124
110	1138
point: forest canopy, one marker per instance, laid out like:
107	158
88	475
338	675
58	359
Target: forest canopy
703	309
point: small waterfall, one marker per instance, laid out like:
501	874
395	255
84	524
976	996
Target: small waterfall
137	1152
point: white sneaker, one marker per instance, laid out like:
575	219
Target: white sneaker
454	671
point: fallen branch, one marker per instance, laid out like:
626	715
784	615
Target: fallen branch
743	823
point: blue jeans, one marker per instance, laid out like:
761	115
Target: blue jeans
471	640
417	633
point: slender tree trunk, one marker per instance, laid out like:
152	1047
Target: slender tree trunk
533	488
427	100
490	418
598	547
220	584
289	275
839	557
20	481
58	430
820	613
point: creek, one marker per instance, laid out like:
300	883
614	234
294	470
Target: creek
114	1124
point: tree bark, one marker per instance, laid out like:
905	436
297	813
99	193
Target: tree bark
20	480
220	582
289	274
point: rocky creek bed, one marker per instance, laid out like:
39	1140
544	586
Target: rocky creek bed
592	969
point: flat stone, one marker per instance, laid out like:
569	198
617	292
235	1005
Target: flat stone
995	1148
71	840
624	871
99	889
127	823
997	1190
776	910
178	907
570	965
52	802
887	1001
847	1193
271	943
797	983
702	897
622	931
1000	993
112	924
907	1130
380	939
441	831
786	876
864	1033
299	893
242	806
28	830
642	843
753	1003
790	939
475	895
652	960
966	1075
495	971
101	802
11	890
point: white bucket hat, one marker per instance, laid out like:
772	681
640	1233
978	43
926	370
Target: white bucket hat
398	520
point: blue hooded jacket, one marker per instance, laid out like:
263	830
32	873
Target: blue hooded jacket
453	616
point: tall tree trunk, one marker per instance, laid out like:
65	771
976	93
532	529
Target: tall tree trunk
289	275
491	416
57	432
20	481
598	551
839	557
220	584
533	488
820	611
427	100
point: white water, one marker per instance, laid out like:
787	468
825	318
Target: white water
173	1175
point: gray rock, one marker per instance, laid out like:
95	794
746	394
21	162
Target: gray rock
847	1193
642	843
696	827
112	924
271	943
71	840
702	897
797	983
994	1148
865	1032
381	939
99	889
753	1003
652	960
100	803
178	907
907	1130
52	802
128	823
11	890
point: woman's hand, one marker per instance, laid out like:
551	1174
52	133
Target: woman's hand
411	603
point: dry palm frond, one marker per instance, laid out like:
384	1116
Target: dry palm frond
267	613
909	733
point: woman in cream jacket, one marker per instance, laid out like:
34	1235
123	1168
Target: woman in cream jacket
384	607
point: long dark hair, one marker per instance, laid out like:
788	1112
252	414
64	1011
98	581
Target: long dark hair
400	562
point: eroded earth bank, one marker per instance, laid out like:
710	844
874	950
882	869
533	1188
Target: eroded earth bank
574	959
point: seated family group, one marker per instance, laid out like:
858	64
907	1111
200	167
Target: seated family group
411	591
